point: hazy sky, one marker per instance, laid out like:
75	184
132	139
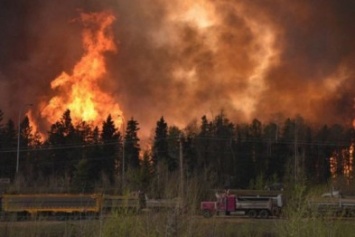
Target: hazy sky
182	59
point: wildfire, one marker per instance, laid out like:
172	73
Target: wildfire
80	91
342	163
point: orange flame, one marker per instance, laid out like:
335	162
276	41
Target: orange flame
80	91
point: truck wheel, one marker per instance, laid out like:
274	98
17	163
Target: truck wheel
252	213
207	213
264	214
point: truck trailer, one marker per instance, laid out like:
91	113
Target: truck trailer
230	204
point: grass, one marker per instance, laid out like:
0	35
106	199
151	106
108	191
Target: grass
168	224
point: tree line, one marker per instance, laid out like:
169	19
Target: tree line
223	153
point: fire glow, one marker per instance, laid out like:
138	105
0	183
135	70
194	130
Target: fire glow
80	91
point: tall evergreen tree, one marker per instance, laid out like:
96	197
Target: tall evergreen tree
189	146
111	143
9	143
287	148
323	152
244	163
223	138
146	170
26	141
131	144
174	134
275	168
60	143
2	150
95	155
257	149
80	155
160	144
189	154
204	146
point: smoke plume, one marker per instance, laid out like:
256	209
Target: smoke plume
184	59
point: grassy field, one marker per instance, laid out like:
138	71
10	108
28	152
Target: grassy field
168	224
147	225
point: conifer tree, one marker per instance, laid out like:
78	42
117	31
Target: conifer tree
146	170
173	139
9	142
26	139
160	143
60	141
223	132
111	142
204	146
131	144
95	155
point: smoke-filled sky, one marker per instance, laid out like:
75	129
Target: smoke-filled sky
182	59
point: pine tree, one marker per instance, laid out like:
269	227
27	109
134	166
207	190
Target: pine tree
323	151
189	143
131	144
9	143
222	152
95	155
189	154
26	141
275	167
244	164
60	141
160	143
146	171
173	138
111	142
257	148
203	146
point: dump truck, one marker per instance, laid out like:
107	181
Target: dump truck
333	206
230	204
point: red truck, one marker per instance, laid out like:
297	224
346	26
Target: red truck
229	204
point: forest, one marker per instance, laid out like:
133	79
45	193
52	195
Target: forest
222	153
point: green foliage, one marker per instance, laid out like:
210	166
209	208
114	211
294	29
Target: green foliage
146	171
111	140
160	151
82	182
259	183
8	143
131	144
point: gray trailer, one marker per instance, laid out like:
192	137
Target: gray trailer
333	206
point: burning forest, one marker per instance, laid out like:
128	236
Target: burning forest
124	62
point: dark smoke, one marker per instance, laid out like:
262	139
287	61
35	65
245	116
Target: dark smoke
312	74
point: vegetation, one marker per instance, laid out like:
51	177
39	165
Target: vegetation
227	154
168	224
